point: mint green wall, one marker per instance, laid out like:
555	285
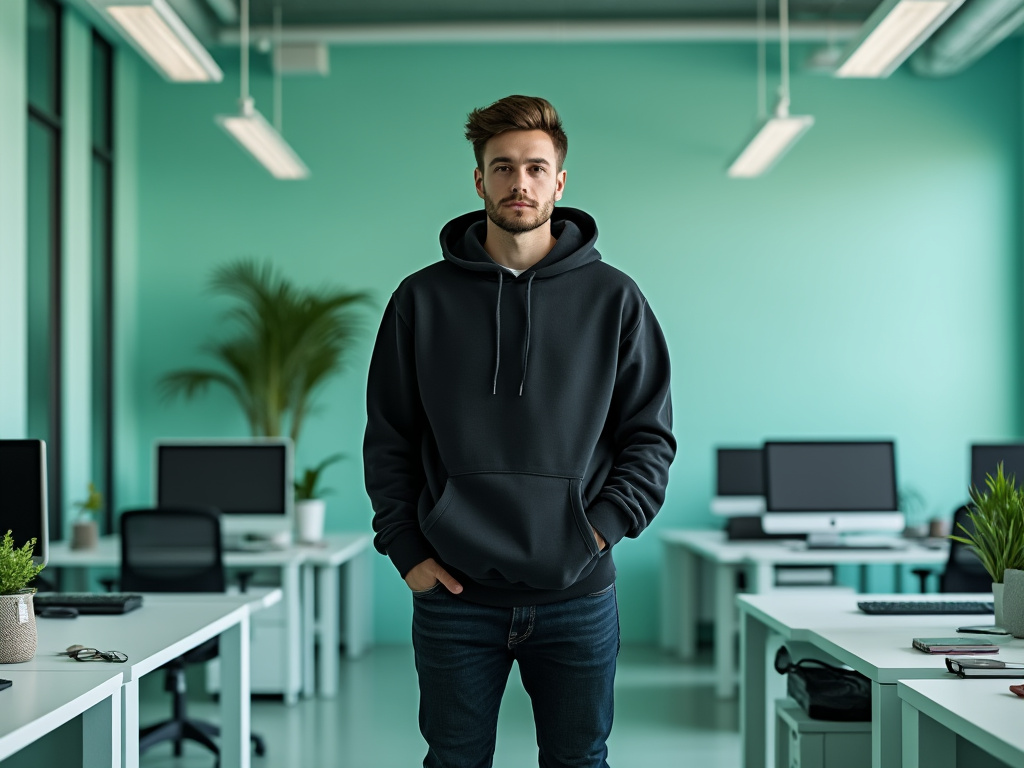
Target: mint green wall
867	287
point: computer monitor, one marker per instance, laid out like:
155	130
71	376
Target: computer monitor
830	487
985	459
249	481
23	510
739	484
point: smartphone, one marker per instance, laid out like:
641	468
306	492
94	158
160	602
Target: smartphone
989	630
954	645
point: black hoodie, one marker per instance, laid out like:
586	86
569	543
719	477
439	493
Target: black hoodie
507	415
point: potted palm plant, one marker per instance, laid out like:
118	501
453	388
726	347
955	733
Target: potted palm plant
309	501
17	617
997	531
288	343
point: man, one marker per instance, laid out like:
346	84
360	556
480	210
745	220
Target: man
519	426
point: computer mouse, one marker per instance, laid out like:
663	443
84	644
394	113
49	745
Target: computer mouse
58	613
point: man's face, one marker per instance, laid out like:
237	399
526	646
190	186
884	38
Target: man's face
520	181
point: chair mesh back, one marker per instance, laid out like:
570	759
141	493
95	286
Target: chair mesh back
964	571
171	550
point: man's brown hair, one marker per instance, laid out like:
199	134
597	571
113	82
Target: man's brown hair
515	113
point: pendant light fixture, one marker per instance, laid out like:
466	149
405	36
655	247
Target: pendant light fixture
776	135
251	130
895	30
162	38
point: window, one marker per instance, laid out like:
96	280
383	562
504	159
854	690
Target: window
102	138
44	240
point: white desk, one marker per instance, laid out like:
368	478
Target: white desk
686	551
342	557
983	712
40	702
878	647
163	629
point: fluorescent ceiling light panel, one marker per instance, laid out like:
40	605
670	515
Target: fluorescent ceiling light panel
891	34
772	141
265	144
161	37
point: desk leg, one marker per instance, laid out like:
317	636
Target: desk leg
235	725
761	578
130	724
674	602
309	632
357	577
886	726
926	743
329	600
292	589
101	734
725	630
753	720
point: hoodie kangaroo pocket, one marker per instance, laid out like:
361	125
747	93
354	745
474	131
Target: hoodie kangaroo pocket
516	528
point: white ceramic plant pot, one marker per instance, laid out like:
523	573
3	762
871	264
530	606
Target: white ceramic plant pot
997	602
1013	602
17	628
309	520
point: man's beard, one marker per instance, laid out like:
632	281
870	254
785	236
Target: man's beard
518	220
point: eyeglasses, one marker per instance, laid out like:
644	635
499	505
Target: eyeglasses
81	653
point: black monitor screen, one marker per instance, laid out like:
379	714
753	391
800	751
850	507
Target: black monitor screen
740	472
830	477
247	479
985	459
23	484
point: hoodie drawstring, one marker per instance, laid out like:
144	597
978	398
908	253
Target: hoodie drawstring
526	344
497	343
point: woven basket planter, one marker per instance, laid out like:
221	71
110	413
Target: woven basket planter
17	628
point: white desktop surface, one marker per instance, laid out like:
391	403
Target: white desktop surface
834	629
341	557
39	702
166	626
686	551
161	630
982	711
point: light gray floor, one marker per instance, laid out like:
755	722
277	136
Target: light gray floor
666	716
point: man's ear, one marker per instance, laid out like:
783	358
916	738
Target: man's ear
478	182
559	185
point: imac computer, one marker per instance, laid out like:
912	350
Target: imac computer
23	510
249	481
739	485
824	489
986	458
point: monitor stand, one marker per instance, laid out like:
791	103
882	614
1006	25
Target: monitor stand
847	541
252	542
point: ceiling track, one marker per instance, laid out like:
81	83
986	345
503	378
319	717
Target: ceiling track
613	31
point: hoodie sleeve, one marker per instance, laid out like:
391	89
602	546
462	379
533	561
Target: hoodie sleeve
644	445
391	459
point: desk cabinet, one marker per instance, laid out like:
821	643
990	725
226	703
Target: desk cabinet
801	742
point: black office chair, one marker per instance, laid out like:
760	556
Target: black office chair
964	571
176	550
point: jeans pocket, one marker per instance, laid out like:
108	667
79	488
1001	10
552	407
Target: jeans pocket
427	592
602	592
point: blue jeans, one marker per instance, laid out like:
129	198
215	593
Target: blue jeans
566	653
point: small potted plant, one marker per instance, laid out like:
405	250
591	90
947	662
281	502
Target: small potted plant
309	502
997	518
84	532
17	616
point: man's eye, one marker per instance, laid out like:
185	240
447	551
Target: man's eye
538	169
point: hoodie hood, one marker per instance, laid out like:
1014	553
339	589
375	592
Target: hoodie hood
462	244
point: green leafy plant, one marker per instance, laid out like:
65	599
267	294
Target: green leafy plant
93	502
16	567
306	488
998	520
289	342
